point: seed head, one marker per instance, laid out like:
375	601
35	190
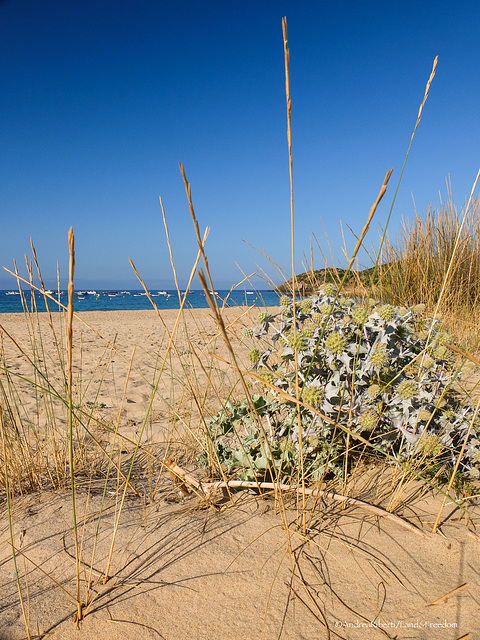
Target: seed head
428	361
297	344
285	301
313	442
424	415
373	390
268	376
440	353
313	396
386	312
254	355
306	306
287	445
308	330
330	290
430	445
379	357
443	337
359	316
336	343
407	389
368	420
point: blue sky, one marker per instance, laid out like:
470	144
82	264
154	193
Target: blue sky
101	99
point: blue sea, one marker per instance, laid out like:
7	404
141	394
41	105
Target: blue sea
99	300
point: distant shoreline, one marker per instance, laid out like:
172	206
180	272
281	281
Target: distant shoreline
134	300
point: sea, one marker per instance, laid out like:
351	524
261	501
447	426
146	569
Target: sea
12	301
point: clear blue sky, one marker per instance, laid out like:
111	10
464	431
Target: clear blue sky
101	99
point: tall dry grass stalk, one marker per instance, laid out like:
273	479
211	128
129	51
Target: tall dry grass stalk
301	470
71	444
419	116
9	496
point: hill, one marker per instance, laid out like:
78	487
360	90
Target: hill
310	281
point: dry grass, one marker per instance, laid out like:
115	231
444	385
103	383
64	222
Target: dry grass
57	435
436	261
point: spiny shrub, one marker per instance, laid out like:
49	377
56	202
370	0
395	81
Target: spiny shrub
381	372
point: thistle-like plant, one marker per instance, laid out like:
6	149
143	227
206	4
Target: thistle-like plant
379	371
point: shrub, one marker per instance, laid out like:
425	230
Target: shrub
381	372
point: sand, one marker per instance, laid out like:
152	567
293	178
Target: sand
183	570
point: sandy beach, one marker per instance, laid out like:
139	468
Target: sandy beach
184	570
119	355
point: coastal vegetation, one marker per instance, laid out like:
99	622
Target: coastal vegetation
339	380
434	261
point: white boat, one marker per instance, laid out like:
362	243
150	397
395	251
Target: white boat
92	293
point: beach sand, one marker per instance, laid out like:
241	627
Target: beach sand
183	570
